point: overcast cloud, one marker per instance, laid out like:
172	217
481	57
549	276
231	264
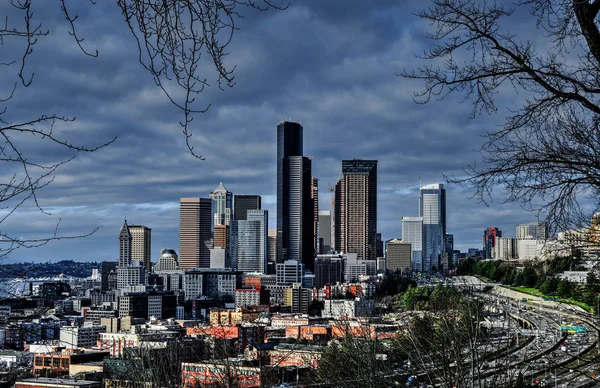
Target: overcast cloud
331	67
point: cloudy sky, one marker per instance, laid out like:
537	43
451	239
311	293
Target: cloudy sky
331	67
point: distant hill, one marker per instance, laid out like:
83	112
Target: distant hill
31	270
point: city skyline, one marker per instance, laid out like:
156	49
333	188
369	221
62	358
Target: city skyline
350	103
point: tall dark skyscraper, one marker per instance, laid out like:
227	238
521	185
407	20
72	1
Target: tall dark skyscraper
295	207
314	195
243	203
356	209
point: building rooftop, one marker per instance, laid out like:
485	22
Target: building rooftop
59	382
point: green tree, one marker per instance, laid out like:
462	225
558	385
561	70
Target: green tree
565	288
415	297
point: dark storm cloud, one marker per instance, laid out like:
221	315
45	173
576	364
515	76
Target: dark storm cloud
329	66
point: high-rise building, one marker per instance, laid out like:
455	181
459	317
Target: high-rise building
298	298
195	232
379	245
398	255
329	269
356	209
108	278
449	243
221	239
412	232
243	203
141	244
124	245
432	208
324	231
128	273
221	236
295	207
290	271
222	205
249	241
532	231
489	241
272	250
504	248
314	195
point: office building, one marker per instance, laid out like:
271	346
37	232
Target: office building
219	258
298	298
141	242
243	203
314	195
249	241
221	236
489	241
532	231
221	240
125	241
449	241
108	271
412	232
272	250
167	262
73	337
530	249
398	256
195	232
356	270
295	207
212	282
324	232
356	209
379	245
329	269
504	249
222	205
432	208
129	273
290	271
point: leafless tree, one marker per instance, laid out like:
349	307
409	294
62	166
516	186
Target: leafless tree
174	39
546	154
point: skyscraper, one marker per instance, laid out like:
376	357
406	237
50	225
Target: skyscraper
295	207
195	232
128	273
532	231
398	255
489	241
249	242
141	243
314	195
222	205
324	231
356	209
243	203
432	208
379	245
125	240
412	232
